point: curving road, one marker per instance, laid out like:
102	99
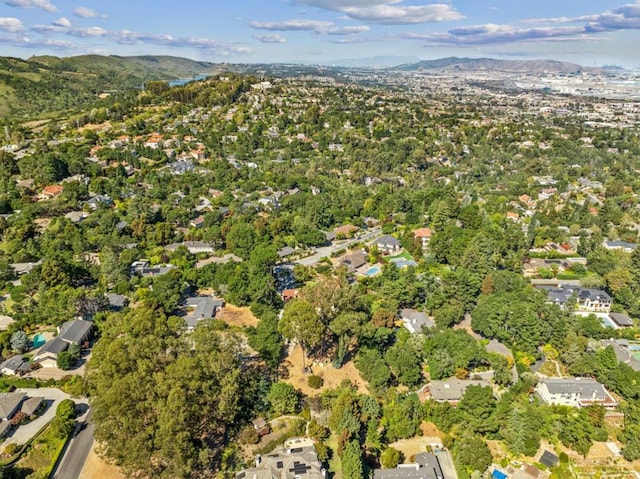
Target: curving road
325	251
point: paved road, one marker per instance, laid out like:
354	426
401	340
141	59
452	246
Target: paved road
77	450
446	463
326	251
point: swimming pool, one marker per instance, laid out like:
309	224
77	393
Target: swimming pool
607	322
372	271
38	340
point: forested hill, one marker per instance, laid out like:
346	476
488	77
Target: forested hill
528	66
48	84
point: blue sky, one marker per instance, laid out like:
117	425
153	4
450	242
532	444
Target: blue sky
590	32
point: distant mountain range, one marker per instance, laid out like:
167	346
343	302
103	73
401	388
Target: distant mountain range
490	64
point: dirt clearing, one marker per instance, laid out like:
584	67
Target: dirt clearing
96	468
332	377
235	316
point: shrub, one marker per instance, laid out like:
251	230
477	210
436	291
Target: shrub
248	435
66	409
315	382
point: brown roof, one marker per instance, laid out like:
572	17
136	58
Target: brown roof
422	233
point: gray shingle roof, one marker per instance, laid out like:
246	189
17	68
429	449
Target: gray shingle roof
585	387
75	331
31	405
205	308
55	346
15	363
453	389
9	402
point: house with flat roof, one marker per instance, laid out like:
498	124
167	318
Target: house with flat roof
426	466
575	392
293	461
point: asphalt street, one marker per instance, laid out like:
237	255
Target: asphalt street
77	450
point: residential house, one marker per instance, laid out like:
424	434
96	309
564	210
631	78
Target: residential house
77	332
99	200
50	192
143	268
371	222
353	261
9	404
388	244
197	222
453	389
424	235
575	392
261	426
180	167
296	460
31	405
587	299
201	308
415	321
289	294
513	216
194	247
24	268
15	366
426	466
117	302
621	320
619	245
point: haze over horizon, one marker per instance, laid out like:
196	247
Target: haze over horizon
590	32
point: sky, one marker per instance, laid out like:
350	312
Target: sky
588	32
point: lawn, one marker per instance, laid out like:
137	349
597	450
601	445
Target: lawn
41	456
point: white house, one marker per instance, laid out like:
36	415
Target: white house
575	392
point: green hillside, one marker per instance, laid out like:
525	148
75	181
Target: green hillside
48	84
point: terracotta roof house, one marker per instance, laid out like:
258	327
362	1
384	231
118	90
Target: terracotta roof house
52	191
423	234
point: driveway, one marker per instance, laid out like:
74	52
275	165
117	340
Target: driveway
325	251
52	397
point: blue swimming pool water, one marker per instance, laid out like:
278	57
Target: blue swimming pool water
38	340
607	323
372	271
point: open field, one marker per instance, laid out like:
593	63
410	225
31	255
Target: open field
236	316
97	468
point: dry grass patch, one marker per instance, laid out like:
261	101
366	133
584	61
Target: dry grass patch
236	316
331	376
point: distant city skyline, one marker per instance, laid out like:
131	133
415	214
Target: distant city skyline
588	32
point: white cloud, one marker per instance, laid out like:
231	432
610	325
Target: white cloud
554	29
388	12
11	25
86	12
293	25
271	38
316	26
42	4
61	22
